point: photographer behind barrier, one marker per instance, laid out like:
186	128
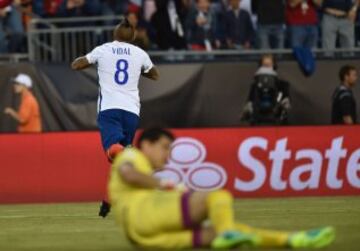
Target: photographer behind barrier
343	100
269	100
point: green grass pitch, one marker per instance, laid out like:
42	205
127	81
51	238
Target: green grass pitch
76	227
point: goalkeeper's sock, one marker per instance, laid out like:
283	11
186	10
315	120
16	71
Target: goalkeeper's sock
220	211
265	237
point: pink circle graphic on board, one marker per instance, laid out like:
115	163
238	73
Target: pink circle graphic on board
206	176
187	166
186	152
170	173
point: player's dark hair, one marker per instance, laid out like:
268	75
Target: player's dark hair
345	70
154	134
124	31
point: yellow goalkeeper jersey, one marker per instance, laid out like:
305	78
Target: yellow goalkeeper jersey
120	192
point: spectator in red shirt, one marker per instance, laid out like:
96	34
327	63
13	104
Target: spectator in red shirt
302	21
11	28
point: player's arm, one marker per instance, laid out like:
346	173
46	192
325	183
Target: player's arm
131	176
80	63
153	74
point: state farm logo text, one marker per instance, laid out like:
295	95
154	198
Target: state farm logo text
314	166
264	165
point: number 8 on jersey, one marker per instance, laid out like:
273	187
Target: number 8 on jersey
121	70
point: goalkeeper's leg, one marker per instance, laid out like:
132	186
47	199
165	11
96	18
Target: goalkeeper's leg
265	237
315	238
217	206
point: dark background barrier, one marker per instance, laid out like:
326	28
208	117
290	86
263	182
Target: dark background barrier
188	95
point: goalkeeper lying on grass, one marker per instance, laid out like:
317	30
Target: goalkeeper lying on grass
156	214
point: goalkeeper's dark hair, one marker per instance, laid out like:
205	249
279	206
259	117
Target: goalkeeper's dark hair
153	134
124	31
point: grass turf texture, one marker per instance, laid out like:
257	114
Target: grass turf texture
77	226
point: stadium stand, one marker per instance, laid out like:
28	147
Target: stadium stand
194	25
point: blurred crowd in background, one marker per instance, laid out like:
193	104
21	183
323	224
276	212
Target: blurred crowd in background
201	24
